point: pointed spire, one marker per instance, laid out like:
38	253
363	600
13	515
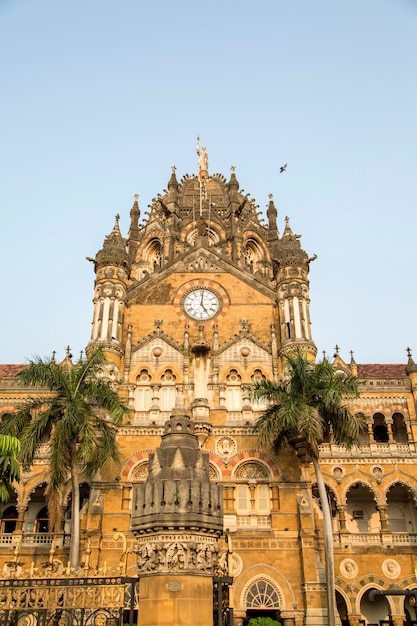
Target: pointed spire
113	251
134	212
290	251
352	365
272	213
233	182
67	362
173	183
411	365
287	229
134	221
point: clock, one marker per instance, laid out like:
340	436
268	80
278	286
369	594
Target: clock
201	304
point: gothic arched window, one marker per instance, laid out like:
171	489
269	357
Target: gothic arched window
258	404
234	391
143	391
263	594
379	428
168	391
399	429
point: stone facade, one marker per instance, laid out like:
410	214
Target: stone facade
201	299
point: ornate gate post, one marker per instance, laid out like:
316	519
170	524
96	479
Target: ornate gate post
177	517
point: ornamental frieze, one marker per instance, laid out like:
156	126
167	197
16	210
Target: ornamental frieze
178	553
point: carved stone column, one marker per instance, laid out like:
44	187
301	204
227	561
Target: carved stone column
382	509
21	510
388	422
342	517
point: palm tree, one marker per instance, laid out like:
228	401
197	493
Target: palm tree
77	417
9	465
308	403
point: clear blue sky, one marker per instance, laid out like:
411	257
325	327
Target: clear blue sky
99	98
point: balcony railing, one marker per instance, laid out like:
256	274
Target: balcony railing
383	539
369	449
31	539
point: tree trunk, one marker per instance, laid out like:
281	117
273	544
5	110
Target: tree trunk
328	545
74	555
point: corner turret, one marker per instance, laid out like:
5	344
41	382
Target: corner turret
112	271
293	295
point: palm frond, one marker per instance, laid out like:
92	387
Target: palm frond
311	399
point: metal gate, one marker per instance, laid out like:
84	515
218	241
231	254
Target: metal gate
222	613
88	601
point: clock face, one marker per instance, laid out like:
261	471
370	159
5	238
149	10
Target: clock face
201	304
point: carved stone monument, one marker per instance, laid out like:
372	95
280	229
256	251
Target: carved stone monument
177	517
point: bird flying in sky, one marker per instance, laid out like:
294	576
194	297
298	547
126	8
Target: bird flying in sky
282	168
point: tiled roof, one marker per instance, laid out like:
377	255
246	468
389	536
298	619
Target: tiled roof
381	370
10	371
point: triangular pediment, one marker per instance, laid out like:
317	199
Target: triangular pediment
155	346
201	260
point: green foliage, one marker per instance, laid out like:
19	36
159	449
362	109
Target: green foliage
311	401
77	415
9	466
263	621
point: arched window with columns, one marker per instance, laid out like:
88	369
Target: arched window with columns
143	391
167	391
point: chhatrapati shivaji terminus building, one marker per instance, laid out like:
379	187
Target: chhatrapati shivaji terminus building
199	524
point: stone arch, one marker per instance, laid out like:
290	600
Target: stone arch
252	372
403	483
345	590
139	472
379	426
176	373
250	236
251	469
136	459
226	369
217	233
357	407
365	585
6	413
410	583
399	426
143	365
262	592
363	483
145	247
401	507
214	471
362	515
263	570
251	454
331	492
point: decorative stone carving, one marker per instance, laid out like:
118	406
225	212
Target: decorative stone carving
391	568
177	514
140	472
190	553
252	470
348	568
237	564
378	472
226	447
